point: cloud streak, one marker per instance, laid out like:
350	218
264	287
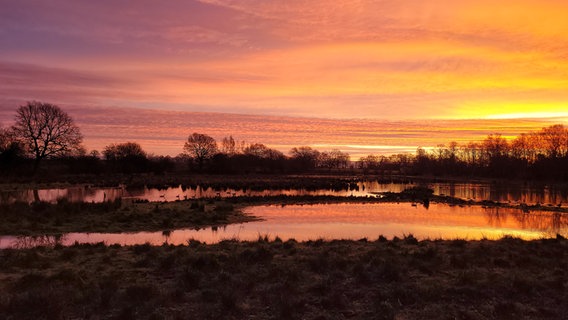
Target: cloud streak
164	132
346	59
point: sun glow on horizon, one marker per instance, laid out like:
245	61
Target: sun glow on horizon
552	116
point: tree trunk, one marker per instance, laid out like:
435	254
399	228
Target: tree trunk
36	166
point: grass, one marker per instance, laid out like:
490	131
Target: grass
275	279
41	218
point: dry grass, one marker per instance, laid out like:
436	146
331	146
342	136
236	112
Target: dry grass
383	279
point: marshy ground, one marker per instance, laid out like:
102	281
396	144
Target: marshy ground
271	279
41	218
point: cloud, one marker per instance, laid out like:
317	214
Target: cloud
24	82
354	58
164	132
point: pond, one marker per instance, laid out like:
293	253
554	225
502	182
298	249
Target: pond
504	192
343	221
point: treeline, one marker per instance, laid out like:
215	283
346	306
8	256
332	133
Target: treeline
44	134
541	154
201	154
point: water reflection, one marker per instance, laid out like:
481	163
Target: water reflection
35	241
87	194
72	194
505	193
345	221
361	189
514	193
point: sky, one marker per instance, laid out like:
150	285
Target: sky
404	62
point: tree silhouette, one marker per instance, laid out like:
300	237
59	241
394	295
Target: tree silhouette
10	149
305	157
127	156
259	150
200	147
370	162
554	140
334	159
124	151
229	146
46	131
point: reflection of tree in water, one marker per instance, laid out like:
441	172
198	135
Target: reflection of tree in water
167	234
495	217
26	242
512	193
552	223
72	194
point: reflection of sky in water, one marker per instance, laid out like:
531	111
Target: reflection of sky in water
347	221
87	194
510	193
72	194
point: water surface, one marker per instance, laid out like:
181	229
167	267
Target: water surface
504	192
89	194
344	221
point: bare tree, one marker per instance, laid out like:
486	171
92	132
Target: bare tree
259	150
554	140
200	147
124	151
370	162
229	146
334	159
46	131
126	157
494	146
305	156
10	149
6	139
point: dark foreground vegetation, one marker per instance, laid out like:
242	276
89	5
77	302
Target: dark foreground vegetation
396	279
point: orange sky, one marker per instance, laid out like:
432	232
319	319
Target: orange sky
365	59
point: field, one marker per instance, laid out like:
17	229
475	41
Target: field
271	279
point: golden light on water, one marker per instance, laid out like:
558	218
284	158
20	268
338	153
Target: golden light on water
353	221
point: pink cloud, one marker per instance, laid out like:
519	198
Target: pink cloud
347	59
